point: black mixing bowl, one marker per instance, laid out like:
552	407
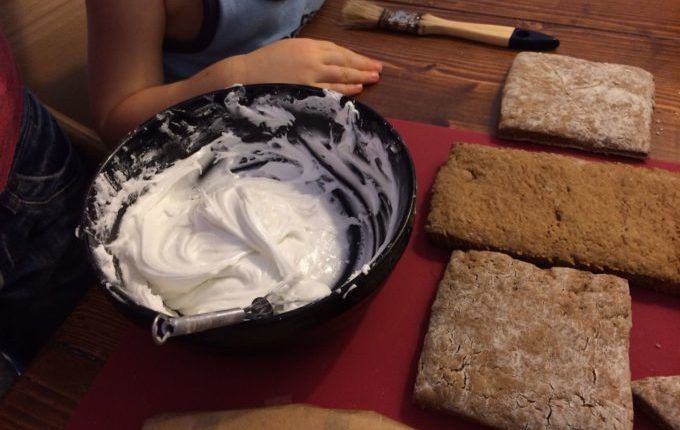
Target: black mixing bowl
178	132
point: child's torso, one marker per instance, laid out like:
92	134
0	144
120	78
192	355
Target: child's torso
207	31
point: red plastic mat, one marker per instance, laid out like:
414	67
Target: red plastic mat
369	365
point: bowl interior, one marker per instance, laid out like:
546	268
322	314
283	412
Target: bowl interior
250	113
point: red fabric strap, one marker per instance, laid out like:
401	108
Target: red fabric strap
11	106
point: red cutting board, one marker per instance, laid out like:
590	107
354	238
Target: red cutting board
369	365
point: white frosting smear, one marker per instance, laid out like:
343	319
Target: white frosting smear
219	242
237	220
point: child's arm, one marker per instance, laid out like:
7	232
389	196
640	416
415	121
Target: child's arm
126	66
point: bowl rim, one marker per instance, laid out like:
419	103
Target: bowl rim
404	222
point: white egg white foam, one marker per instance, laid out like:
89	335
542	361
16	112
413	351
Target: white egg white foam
238	220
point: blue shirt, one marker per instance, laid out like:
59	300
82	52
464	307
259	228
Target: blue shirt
232	27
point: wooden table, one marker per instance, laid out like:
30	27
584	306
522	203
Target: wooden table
433	80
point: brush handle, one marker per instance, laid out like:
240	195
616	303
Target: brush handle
498	35
165	326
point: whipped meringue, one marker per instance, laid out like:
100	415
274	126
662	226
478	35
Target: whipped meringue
287	217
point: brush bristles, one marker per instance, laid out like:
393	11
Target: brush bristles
361	14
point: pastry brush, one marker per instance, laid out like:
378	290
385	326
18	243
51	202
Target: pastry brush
364	14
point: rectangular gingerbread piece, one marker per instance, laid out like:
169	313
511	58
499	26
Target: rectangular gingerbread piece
565	101
514	346
557	210
660	398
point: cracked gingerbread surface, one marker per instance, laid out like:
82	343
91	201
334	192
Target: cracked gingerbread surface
660	397
514	346
557	210
565	101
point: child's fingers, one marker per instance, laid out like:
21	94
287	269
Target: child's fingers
346	89
340	56
348	75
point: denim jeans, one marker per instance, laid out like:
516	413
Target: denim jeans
43	270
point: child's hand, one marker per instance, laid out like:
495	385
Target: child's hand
310	62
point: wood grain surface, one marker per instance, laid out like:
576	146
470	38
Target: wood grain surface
435	80
49	43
